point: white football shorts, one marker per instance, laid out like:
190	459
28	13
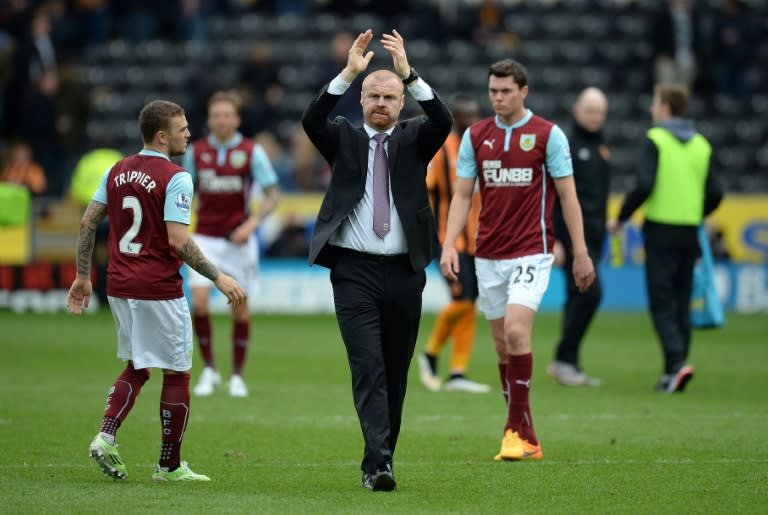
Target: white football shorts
238	261
522	280
153	333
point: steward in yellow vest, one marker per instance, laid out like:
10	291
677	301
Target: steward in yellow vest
677	190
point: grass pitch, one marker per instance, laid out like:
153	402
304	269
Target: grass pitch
294	445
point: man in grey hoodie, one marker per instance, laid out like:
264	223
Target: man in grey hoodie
677	191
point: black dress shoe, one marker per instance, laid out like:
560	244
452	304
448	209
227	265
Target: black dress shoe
384	480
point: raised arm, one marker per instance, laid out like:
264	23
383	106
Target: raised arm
439	118
315	117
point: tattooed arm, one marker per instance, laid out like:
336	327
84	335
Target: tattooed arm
93	216
79	295
186	248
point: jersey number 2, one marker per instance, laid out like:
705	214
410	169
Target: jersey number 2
127	245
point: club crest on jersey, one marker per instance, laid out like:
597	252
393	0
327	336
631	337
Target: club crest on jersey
206	157
527	141
237	158
183	201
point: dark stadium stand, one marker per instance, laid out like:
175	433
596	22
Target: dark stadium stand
566	44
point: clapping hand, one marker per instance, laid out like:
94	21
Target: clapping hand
358	59
394	44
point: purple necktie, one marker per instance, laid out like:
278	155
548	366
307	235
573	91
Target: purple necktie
380	187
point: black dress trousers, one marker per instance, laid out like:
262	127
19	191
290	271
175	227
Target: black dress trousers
378	308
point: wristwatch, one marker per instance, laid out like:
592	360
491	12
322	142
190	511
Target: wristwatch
410	78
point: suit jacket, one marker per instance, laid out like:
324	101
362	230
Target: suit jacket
411	146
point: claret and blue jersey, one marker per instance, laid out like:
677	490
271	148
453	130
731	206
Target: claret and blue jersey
142	192
224	174
515	165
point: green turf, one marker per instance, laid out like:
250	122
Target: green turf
294	445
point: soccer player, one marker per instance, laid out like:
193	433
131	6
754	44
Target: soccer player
522	162
457	319
224	166
148	200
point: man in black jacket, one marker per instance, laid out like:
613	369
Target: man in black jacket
591	171
376	232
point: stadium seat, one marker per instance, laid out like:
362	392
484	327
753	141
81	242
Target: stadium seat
751	131
326	25
543	104
560	25
736	159
593	76
362	21
154	51
220	27
422	50
196	52
714	130
460	51
612	55
592	26
311	75
576	52
535	53
631	27
525	25
620	105
443	78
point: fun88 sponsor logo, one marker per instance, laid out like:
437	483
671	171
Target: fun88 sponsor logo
505	177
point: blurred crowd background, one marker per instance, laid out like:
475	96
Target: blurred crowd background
74	74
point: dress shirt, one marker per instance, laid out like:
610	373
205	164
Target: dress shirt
356	231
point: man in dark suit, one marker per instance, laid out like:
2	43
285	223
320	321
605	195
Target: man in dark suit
376	232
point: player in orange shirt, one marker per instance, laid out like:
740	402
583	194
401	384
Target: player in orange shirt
457	319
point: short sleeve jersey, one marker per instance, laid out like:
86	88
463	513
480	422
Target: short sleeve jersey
223	174
142	192
515	166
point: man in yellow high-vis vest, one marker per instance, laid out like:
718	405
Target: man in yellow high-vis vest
677	191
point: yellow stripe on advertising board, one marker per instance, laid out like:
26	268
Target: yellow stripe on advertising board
743	219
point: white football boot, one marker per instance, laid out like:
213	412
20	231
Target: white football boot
237	386
208	382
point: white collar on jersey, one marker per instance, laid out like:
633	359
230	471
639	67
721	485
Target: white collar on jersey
519	123
153	153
